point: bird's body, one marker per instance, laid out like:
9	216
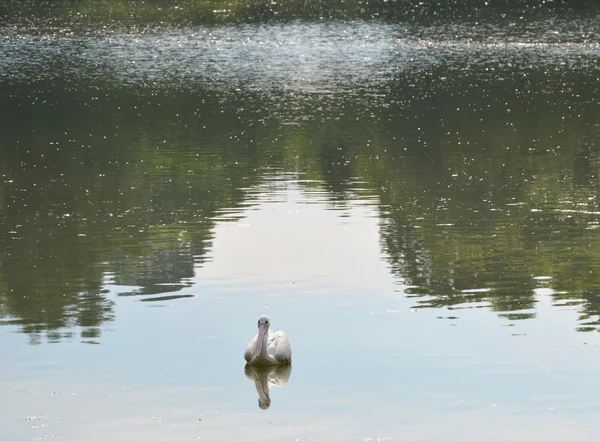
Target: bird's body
268	348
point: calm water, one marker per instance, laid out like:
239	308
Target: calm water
415	204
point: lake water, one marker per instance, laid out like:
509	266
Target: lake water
414	203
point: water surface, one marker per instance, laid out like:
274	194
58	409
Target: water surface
415	204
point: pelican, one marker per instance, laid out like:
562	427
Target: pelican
268	348
265	377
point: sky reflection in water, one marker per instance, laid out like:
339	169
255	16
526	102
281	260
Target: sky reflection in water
365	363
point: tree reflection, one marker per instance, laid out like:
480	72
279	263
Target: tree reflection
471	218
128	206
475	201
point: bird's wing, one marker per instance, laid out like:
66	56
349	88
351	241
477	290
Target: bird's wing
250	349
282	348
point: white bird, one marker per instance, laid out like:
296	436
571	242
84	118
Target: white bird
268	348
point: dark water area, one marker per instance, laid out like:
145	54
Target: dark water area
414	202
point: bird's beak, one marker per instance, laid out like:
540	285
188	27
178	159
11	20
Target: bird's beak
262	329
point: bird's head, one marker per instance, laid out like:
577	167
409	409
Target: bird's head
263	322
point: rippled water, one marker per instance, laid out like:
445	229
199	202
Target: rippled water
415	204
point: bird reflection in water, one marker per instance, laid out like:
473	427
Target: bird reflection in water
265	377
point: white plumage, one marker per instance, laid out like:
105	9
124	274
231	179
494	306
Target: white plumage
268	348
